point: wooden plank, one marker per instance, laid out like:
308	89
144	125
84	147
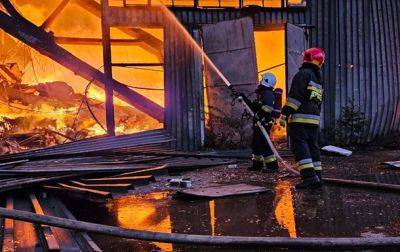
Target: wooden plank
24	183
8	240
80	194
66	238
51	241
161	170
81	189
224	191
26	235
105	186
136	180
85	242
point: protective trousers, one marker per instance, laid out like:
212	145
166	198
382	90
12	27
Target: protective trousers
304	145
262	153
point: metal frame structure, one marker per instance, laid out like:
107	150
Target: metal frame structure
360	37
196	4
109	90
44	42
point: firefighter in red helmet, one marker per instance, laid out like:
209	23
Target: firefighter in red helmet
302	114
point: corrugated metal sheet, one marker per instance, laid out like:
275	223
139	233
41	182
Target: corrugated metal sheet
184	118
361	38
95	144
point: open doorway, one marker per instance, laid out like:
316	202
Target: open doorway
271	57
243	54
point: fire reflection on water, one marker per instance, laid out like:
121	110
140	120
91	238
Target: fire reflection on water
157	212
284	208
212	216
145	213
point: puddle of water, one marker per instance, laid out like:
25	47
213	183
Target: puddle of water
331	212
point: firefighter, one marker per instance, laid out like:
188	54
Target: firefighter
266	112
302	114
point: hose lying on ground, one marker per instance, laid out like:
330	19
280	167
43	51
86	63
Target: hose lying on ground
230	241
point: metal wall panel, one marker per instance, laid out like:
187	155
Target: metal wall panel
183	80
230	46
361	39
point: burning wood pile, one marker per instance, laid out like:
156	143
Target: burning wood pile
46	114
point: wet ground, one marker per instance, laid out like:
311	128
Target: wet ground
329	212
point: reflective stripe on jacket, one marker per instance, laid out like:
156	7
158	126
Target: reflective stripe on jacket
303	104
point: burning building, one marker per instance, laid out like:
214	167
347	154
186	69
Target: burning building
162	78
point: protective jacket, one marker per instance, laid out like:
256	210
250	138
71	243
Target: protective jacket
266	107
303	105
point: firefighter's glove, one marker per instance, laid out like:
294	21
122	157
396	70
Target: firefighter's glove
282	121
271	123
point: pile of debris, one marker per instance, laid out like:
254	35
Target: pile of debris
51	113
94	169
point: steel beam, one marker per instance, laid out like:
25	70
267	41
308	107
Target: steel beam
138	64
55	14
95	41
43	42
105	28
148	41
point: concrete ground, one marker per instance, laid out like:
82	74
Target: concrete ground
333	211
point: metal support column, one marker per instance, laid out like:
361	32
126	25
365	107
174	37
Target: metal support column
107	69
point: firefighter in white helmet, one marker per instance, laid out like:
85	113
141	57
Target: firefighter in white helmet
266	112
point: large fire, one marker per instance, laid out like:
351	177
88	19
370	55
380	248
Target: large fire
46	97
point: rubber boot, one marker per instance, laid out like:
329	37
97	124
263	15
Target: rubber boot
309	180
271	167
257	166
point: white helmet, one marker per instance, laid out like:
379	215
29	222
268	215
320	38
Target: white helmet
268	80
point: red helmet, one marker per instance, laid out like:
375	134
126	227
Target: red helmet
315	56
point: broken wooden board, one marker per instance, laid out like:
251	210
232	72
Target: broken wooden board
51	241
160	170
26	235
8	240
60	210
105	186
136	180
79	192
392	164
224	191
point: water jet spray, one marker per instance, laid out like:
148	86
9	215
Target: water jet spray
171	16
